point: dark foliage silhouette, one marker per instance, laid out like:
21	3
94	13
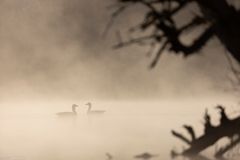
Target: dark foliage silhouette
229	128
163	26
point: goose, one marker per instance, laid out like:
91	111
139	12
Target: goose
68	114
93	112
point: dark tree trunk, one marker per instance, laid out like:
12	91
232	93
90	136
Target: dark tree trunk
226	23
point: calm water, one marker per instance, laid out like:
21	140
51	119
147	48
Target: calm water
30	132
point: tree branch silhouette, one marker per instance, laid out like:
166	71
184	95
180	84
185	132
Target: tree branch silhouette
222	21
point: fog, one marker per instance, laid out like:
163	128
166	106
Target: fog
56	50
34	131
53	54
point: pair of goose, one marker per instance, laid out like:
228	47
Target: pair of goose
74	112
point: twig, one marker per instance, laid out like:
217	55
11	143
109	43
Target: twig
153	64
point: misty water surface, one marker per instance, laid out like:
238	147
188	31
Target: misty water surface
126	129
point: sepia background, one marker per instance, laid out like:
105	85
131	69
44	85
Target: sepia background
54	53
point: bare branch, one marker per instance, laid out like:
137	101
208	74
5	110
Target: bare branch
196	22
154	63
181	137
190	130
139	40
